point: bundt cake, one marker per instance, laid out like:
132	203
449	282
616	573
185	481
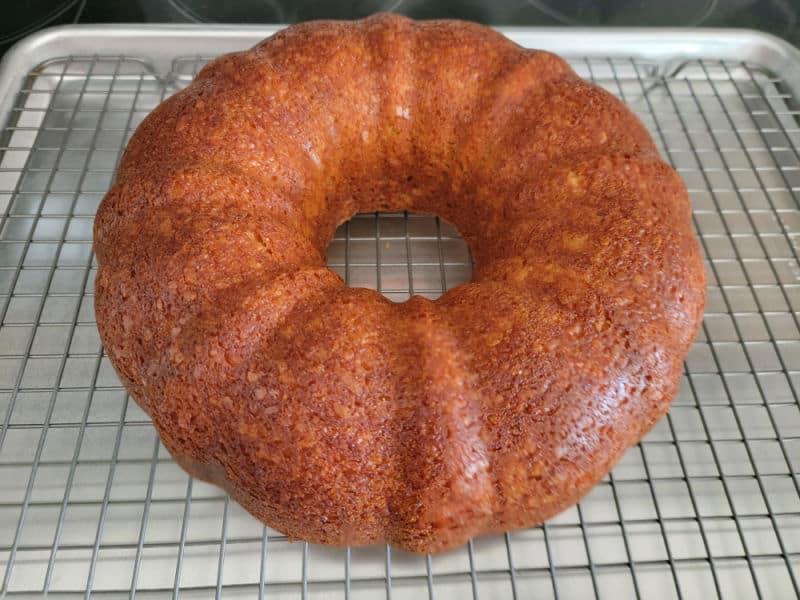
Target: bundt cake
331	413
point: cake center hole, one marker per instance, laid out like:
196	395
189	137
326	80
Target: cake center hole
400	254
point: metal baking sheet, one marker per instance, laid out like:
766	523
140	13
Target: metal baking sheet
708	505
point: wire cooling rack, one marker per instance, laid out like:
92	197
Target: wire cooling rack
708	505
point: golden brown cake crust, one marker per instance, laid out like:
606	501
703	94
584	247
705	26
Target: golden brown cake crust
331	413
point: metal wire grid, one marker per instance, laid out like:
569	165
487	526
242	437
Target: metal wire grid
707	505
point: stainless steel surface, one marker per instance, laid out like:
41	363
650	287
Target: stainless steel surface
708	505
158	45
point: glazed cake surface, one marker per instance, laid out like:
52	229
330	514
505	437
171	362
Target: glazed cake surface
331	413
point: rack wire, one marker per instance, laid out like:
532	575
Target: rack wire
708	505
